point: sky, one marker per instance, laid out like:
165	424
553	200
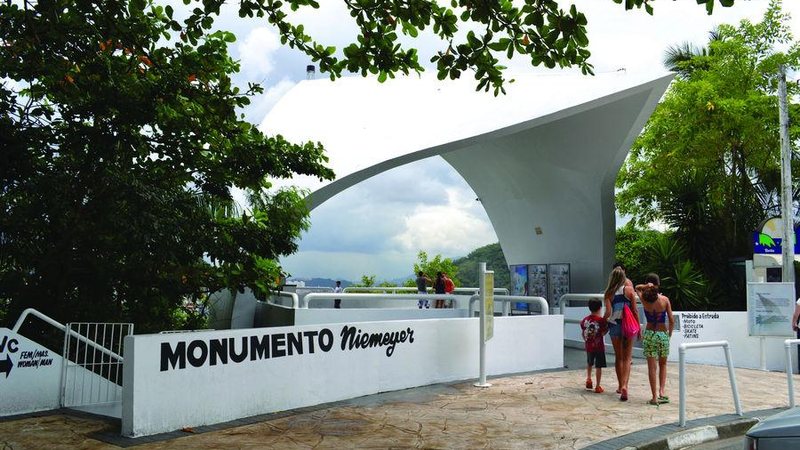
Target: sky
377	227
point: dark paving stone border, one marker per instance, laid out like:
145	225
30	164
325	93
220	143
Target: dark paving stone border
728	425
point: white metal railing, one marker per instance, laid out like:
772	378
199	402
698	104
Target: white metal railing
349	297
290	295
474	290
413	290
682	375
62	327
566	299
788	343
384	289
508	299
88	375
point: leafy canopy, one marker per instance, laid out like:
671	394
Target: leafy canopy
475	34
430	267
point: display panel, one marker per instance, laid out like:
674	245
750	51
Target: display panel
537	280
558	278
519	279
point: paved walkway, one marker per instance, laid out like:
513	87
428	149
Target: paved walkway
547	410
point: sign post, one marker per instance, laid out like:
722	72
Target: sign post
787	253
486	317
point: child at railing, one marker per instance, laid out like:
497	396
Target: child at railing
593	328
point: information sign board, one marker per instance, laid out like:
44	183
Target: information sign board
770	307
488	305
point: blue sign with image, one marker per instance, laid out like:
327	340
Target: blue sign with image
765	244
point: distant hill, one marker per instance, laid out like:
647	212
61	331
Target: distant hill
495	260
491	254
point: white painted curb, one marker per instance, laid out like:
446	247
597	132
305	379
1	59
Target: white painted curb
692	437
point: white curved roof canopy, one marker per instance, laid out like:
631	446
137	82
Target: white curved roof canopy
545	155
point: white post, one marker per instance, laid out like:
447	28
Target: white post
732	376
482	324
763	353
682	386
682	375
787	245
789	379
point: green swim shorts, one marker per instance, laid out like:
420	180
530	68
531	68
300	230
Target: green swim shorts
655	344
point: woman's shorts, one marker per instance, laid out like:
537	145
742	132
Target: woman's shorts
655	344
615	330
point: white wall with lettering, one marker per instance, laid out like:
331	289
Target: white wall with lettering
190	379
705	326
30	375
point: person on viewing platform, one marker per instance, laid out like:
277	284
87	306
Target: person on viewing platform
618	294
337	303
593	328
449	286
660	322
422	288
439	287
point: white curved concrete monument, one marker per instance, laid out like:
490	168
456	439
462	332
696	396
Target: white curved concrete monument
542	159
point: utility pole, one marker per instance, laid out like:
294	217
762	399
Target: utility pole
787	244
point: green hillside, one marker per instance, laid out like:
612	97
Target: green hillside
492	254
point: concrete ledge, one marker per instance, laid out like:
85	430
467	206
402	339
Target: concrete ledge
697	435
693	437
736	428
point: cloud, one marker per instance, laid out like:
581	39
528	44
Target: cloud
256	51
378	226
262	104
452	229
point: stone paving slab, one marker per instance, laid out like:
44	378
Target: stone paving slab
547	410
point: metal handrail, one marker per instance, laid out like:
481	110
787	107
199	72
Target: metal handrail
789	381
682	375
456	291
64	328
295	298
508	299
474	290
343	296
385	289
566	298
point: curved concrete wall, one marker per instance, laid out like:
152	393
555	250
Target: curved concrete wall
546	155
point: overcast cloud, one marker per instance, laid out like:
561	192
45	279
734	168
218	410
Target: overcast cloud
378	226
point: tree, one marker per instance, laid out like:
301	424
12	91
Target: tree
120	144
537	29
367	281
707	163
118	150
435	265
